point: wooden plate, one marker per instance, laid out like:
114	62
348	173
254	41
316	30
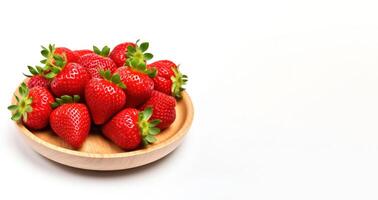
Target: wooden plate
99	153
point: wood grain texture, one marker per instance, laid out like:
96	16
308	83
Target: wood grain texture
99	153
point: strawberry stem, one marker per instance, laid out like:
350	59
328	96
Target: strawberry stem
178	81
65	99
115	78
147	126
137	58
37	70
53	62
23	105
103	52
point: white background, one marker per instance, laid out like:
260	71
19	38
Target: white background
285	94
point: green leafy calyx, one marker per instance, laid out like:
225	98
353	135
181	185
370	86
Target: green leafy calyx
53	62
137	58
148	127
178	81
23	104
65	99
114	78
37	70
103	52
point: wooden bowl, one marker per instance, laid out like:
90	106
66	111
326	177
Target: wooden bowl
99	153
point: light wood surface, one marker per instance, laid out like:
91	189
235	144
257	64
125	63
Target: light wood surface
99	153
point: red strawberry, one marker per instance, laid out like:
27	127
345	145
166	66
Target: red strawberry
82	52
37	78
130	128
94	62
169	79
71	120
66	53
136	76
164	108
105	96
139	85
33	106
71	80
118	54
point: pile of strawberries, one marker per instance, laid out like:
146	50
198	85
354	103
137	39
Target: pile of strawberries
117	91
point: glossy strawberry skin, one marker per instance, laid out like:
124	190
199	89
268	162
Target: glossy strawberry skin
70	81
93	63
38	118
163	85
82	52
163	82
163	108
123	129
38	80
118	54
67	53
71	122
104	99
139	86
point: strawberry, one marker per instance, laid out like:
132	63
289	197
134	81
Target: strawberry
70	120
139	85
118	54
105	96
164	108
37	78
69	80
169	79
33	106
136	76
82	52
94	62
130	128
